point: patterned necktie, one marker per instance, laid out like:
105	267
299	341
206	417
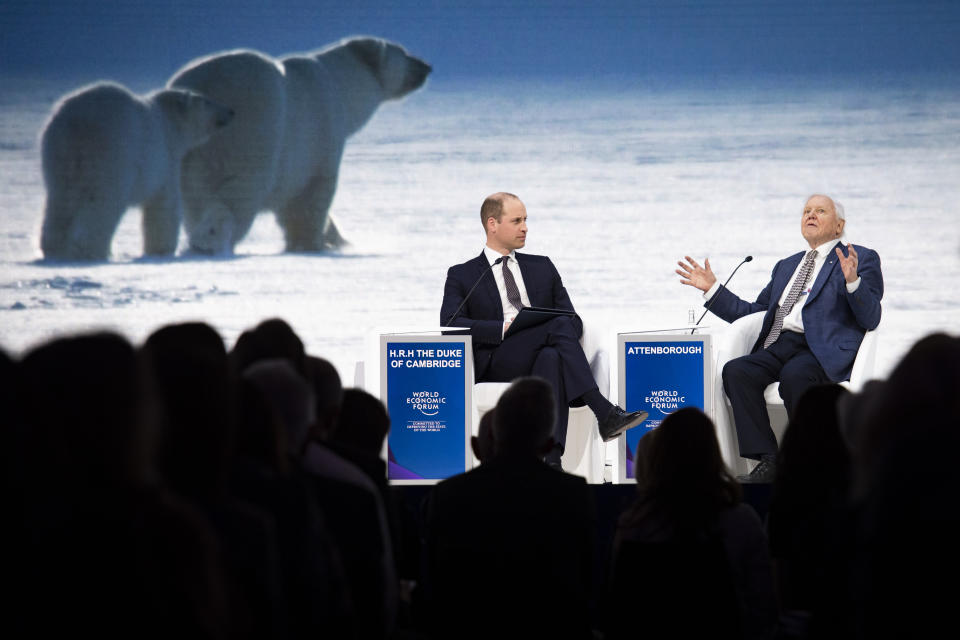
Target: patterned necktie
798	284
513	293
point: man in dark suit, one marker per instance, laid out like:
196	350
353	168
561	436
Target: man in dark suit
488	303
509	545
819	304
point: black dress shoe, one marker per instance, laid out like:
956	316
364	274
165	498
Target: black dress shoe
618	421
764	472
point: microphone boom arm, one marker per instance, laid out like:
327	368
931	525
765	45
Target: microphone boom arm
723	286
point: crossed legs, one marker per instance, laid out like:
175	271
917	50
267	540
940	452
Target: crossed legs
551	351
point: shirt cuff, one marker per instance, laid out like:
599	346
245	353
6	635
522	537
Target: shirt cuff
712	291
852	286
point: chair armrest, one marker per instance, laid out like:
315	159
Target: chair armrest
743	334
864	363
597	357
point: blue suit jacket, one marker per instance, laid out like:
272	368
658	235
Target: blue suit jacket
834	321
483	311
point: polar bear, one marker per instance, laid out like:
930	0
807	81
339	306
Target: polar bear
105	149
293	118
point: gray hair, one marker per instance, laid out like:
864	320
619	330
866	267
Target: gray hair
839	207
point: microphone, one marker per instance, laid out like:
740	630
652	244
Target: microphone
467	297
724	285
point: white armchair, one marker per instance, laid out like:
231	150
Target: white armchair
584	451
738	341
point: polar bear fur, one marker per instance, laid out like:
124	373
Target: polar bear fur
105	149
293	118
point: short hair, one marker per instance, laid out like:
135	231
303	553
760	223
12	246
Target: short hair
492	207
525	415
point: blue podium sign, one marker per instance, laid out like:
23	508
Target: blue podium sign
426	386
660	374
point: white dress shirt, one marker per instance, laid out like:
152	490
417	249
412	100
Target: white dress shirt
509	313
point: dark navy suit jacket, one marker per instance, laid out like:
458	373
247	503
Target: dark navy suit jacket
483	312
834	321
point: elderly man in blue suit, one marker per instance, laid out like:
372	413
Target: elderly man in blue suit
487	304
819	303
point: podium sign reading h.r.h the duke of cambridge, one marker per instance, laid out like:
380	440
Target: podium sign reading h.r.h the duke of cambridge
660	372
425	382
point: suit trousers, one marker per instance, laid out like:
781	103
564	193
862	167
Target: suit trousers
788	360
551	351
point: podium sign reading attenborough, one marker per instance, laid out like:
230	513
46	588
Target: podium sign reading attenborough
660	374
425	382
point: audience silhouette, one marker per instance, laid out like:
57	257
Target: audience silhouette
509	544
272	338
808	517
178	490
280	411
358	523
689	558
906	432
195	396
98	546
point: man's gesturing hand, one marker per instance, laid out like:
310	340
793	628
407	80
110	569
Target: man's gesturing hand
696	276
849	264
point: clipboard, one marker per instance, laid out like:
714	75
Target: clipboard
532	316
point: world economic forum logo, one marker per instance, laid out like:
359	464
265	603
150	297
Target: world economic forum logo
665	400
426	402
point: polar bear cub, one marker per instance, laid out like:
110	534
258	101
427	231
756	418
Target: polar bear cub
105	149
283	151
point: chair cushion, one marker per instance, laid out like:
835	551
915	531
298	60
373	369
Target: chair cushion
486	394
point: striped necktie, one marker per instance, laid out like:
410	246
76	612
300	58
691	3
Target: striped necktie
798	284
513	293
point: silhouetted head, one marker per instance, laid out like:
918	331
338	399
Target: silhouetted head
919	401
80	400
261	435
482	443
640	463
524	420
685	475
813	452
272	338
194	388
290	396
328	393
363	424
